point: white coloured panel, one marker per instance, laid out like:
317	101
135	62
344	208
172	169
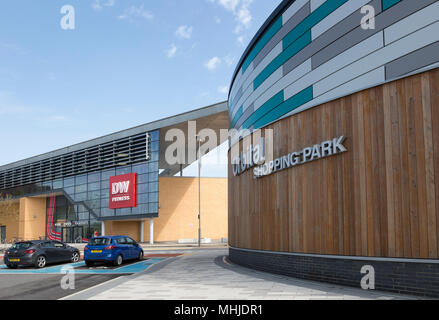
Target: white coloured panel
365	81
335	17
412	23
271	80
317	3
342	60
294	75
378	58
292	10
277	50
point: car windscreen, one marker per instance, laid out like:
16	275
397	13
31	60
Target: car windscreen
22	245
99	242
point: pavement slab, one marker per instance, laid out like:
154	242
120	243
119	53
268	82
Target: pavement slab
207	274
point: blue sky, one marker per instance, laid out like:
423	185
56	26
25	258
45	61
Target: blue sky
125	63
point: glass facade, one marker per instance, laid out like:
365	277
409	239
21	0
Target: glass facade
83	199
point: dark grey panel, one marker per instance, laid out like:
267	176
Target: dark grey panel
330	36
236	99
286	28
391	16
245	115
413	61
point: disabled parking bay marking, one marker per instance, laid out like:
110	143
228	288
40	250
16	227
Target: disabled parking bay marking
80	268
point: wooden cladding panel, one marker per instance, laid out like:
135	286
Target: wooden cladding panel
381	198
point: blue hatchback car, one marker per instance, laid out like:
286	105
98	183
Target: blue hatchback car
112	249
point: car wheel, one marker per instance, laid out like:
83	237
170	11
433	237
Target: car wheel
89	263
140	257
10	266
40	262
75	257
118	260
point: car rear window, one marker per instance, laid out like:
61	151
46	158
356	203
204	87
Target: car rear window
99	242
22	245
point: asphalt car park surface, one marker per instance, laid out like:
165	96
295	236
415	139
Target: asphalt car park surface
28	283
45	286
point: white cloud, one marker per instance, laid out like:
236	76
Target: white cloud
171	51
229	4
241	40
244	16
213	63
99	4
136	12
223	89
184	32
241	11
57	118
14	48
217	20
228	60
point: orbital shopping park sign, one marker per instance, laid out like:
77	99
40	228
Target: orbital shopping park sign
123	191
255	157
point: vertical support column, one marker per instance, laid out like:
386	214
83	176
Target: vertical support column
142	229
151	231
102	228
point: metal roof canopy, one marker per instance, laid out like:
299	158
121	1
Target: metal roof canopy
215	117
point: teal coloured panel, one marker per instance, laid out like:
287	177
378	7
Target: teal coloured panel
292	50
236	117
289	105
389	3
315	17
277	25
264	109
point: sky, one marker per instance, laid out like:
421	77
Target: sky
125	63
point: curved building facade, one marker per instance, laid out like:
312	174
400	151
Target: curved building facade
347	94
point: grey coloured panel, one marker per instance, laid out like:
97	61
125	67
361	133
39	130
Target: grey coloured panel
286	28
237	97
249	111
382	21
330	36
413	61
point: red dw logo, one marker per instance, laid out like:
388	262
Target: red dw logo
123	191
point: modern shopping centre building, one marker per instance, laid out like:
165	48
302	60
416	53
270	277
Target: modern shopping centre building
117	184
337	104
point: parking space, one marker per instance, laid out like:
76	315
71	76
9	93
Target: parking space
28	283
128	267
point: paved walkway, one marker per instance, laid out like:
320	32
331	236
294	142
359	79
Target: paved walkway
207	274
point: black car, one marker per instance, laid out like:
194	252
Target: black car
39	253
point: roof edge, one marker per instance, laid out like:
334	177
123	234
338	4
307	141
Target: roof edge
154	125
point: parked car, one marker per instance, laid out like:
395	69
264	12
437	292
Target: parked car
112	249
39	253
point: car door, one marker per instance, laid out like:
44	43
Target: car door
124	248
132	248
48	249
61	251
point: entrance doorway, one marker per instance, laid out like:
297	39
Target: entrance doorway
3	234
72	234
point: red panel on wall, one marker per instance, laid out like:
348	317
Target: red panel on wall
123	191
